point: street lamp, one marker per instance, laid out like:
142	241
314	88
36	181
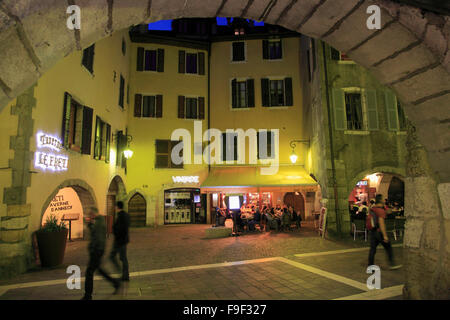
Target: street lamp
293	144
123	139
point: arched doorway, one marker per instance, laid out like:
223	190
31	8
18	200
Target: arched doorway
137	209
296	200
70	198
116	192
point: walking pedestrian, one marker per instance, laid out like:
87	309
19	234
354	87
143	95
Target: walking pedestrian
378	233
97	227
121	238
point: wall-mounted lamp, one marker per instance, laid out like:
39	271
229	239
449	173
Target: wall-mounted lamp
124	139
293	144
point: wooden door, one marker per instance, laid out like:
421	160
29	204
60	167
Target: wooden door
137	209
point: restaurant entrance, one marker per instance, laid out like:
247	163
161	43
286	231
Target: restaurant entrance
184	206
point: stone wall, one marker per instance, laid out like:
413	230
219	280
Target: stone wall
427	250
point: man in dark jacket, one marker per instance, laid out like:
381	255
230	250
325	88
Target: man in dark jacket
121	238
96	249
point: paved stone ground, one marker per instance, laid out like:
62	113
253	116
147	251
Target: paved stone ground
184	246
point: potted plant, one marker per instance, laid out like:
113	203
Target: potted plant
51	239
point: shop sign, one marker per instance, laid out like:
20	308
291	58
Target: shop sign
185	179
46	160
362	183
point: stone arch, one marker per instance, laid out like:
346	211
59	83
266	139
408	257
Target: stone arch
117	187
352	182
83	190
410	53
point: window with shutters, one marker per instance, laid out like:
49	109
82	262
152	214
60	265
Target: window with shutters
191	107
88	58
272	49
242	93
148	106
276	92
76	126
163	154
266	145
354	111
238	51
102	140
229	146
121	91
396	119
191	63
150	60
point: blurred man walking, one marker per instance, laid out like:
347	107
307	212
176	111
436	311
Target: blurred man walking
121	238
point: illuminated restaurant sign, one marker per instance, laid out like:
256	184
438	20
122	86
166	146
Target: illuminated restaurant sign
362	183
49	161
185	179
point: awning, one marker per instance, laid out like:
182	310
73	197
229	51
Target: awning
250	179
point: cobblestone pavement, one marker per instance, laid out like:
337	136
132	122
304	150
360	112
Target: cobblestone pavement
177	262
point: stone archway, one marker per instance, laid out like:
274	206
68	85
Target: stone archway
85	194
410	53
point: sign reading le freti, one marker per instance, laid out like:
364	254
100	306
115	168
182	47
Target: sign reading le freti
45	160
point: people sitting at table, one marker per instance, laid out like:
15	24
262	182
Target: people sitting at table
362	211
285	219
220	217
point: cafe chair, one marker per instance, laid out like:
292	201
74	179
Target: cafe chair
359	226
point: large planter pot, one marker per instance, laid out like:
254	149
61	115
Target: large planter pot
52	246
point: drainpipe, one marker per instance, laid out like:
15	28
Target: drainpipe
330	133
209	96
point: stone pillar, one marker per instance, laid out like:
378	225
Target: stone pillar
426	242
15	241
208	208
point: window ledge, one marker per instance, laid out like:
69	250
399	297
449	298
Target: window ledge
92	75
278	107
237	62
357	132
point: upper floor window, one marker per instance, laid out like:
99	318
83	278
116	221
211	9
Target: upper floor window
238	51
88	58
355	109
192	63
102	140
191	107
276	92
272	49
229	146
76	126
266	144
164	154
243	93
148	106
150	60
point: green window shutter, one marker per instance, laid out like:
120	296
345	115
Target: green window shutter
391	110
250	93
160	67
265	92
265	44
234	93
201	63
181	61
87	130
340	118
66	120
288	92
372	112
140	59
